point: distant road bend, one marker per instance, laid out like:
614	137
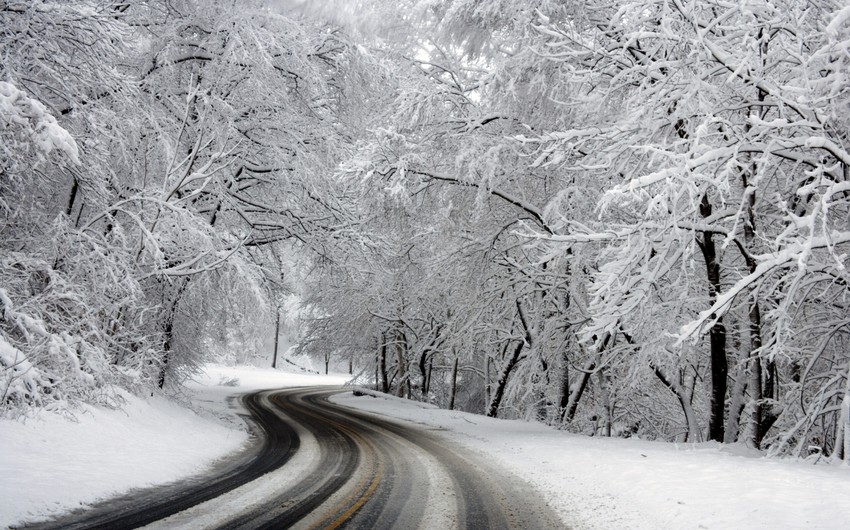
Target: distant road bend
321	465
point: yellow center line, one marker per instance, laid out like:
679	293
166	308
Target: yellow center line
360	502
377	465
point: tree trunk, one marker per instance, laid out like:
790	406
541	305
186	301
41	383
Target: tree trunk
737	400
454	386
564	399
842	428
423	373
403	377
276	338
502	381
575	396
542	384
168	331
763	380
681	394
428	380
763	377
606	403
72	197
166	346
486	379
385	383
717	333
578	391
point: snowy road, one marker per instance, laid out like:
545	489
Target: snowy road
323	465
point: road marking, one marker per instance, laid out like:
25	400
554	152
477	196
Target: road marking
370	454
360	502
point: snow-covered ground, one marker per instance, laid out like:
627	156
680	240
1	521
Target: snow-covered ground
49	465
595	483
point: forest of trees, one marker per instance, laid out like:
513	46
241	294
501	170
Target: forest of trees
625	218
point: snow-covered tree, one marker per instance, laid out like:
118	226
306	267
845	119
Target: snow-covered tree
155	157
717	129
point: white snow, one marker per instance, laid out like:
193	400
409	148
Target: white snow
595	483
841	17
21	376
47	135
50	465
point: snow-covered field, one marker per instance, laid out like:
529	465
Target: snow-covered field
49	465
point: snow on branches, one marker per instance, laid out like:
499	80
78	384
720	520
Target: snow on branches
29	125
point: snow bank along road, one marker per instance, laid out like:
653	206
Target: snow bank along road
320	465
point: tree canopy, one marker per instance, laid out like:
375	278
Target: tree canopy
622	218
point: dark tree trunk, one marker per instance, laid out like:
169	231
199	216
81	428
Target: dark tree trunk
75	186
454	386
502	382
543	382
676	388
717	333
763	382
385	383
487	379
168	332
428	380
607	404
564	399
762	379
575	396
569	411
423	371
276	338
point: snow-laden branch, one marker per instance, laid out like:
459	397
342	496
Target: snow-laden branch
742	70
189	268
797	252
42	128
621	233
535	213
688	166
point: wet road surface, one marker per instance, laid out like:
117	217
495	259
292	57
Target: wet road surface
315	464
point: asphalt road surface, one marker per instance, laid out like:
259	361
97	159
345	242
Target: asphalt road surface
315	464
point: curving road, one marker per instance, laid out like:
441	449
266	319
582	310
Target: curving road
320	465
